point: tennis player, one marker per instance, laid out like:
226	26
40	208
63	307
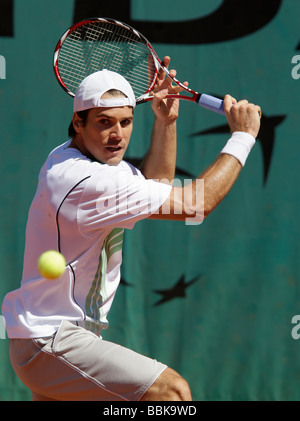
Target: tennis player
86	196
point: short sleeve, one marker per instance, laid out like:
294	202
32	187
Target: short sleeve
118	196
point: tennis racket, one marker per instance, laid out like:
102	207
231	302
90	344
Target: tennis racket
100	43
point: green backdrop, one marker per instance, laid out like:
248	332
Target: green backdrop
213	301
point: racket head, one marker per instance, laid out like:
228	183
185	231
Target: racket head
95	44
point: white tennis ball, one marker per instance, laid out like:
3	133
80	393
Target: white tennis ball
51	264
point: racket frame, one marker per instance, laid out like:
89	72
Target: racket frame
147	96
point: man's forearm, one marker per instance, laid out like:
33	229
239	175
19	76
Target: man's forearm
160	161
200	197
218	180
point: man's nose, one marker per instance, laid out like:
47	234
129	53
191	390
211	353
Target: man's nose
116	132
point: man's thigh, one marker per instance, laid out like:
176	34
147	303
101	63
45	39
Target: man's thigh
77	365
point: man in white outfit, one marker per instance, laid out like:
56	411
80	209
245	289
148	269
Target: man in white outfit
86	196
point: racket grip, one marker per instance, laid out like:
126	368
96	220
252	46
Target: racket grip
211	103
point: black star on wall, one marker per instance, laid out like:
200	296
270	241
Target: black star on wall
177	291
125	283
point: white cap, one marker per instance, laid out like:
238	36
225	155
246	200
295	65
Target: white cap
89	92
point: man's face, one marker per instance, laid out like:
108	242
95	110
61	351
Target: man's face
106	134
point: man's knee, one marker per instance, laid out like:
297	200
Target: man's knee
180	390
169	386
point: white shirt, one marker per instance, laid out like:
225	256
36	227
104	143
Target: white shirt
80	208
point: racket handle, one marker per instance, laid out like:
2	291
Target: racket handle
211	103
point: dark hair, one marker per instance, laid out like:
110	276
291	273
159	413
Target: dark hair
83	115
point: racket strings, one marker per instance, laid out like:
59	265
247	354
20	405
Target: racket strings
103	45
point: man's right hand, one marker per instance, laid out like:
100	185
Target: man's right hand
242	116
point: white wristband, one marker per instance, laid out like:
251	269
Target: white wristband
239	146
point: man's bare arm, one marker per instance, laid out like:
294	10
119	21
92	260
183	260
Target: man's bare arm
202	195
160	161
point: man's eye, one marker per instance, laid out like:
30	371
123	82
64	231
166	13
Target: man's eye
104	122
126	122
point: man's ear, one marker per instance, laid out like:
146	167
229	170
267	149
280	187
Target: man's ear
77	122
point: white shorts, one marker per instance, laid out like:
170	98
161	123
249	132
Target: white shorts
76	365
